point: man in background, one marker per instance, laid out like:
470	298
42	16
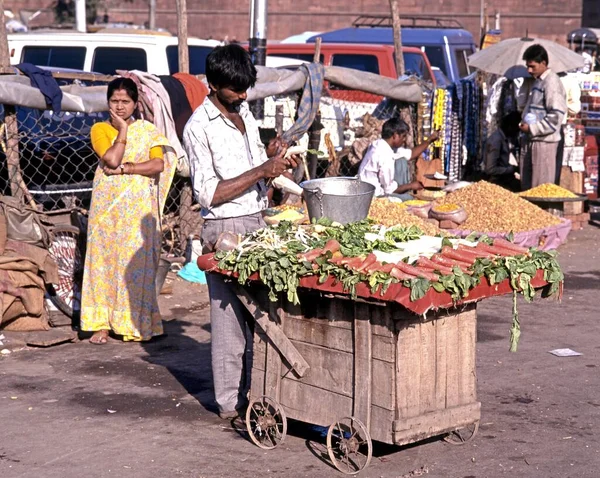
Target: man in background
386	163
542	120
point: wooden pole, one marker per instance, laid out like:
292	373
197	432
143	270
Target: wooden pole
317	55
397	28
182	37
18	188
4	55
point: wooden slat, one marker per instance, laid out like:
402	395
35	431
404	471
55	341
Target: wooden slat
313	405
452	361
441	347
362	364
331	370
257	386
381	425
273	331
382	322
319	332
435	423
408	369
467	330
384	385
273	368
427	369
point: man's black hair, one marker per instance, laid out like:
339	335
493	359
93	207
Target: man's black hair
536	53
230	66
393	125
126	84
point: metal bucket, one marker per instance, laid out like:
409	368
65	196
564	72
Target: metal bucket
340	199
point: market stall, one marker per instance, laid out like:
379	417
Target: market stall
370	330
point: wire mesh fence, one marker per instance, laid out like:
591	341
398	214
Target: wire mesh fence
47	160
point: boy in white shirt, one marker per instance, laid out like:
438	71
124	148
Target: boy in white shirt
385	164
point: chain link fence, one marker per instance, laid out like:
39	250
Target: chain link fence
47	160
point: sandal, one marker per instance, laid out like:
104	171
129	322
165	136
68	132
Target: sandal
99	338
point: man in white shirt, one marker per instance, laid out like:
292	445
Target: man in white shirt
228	166
385	164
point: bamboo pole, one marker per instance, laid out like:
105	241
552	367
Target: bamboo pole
397	28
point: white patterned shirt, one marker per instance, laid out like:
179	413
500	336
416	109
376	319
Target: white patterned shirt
378	166
218	151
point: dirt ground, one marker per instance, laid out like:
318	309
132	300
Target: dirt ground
132	410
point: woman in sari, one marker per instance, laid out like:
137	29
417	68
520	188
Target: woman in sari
124	241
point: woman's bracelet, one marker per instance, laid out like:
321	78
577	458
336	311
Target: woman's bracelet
122	141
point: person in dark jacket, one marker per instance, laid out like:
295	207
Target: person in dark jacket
498	150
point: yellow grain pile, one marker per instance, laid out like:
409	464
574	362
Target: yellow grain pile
548	190
491	208
391	213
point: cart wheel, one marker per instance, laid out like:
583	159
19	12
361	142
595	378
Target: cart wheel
266	422
462	435
349	445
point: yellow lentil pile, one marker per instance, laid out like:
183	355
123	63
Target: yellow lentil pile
415	203
548	190
491	208
391	213
447	207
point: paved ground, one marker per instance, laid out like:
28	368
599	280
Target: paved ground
130	410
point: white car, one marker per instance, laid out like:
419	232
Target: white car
107	52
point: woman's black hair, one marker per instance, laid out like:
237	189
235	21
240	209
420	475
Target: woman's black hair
536	53
230	66
126	84
393	125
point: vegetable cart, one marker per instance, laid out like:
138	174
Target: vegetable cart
372	366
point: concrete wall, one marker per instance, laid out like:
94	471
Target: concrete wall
230	18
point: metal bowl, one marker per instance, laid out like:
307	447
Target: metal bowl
341	199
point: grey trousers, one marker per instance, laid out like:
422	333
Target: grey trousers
230	337
537	163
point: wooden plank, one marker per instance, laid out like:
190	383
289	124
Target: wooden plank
363	360
319	332
435	423
341	324
273	373
382	322
47	338
257	385
408	368
381	425
441	353
467	381
330	369
427	369
452	365
313	405
384	385
274	332
259	360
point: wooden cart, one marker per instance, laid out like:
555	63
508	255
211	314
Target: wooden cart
367	369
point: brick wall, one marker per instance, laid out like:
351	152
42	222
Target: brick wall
228	18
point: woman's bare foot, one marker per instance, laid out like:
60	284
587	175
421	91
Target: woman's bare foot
99	338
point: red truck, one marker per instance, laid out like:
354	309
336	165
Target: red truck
378	59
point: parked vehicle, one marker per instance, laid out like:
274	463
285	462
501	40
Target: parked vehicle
446	43
378	59
107	52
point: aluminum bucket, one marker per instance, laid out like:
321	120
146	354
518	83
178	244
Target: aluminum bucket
340	199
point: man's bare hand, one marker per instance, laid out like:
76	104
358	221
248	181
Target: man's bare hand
416	186
524	127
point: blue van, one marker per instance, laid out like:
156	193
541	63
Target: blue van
446	48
